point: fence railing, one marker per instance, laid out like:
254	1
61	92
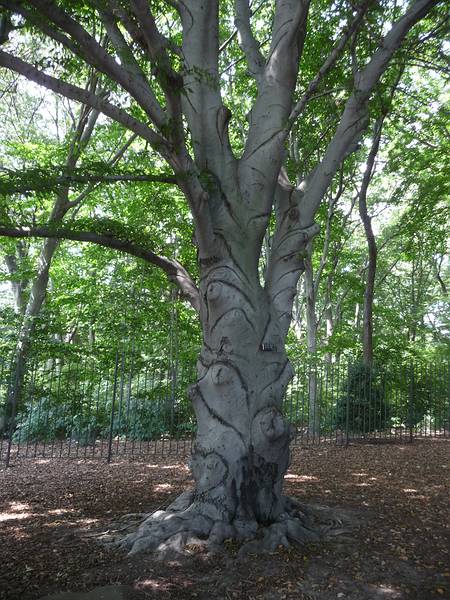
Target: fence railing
137	405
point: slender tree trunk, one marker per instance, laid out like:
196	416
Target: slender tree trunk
18	283
33	308
367	338
311	336
369	292
329	328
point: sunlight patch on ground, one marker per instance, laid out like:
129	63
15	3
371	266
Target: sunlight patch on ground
19	506
388	591
160	487
301	477
17	511
60	511
152	584
12	516
167	467
87	521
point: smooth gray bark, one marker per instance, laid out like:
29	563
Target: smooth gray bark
18	282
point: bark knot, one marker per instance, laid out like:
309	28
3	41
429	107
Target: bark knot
294	214
221	374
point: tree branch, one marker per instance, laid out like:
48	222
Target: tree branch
115	158
94	54
202	103
49	183
248	43
171	82
175	272
80	95
263	154
328	64
288	252
354	118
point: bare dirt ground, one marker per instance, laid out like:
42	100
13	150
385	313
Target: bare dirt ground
400	494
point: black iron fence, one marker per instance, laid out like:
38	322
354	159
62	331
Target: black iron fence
80	406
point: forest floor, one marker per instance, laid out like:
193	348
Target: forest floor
399	492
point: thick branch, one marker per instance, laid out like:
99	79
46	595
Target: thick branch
255	59
354	119
94	54
171	82
202	103
263	154
288	251
328	64
173	269
155	41
80	95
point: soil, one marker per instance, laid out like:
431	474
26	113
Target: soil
50	510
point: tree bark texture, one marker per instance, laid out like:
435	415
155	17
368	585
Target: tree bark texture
242	447
241	452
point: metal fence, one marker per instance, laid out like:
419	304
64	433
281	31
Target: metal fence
80	406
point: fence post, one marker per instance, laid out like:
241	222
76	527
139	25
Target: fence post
111	426
411	402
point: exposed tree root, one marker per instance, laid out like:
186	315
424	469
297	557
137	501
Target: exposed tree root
168	533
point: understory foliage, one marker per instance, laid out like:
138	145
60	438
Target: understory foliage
363	408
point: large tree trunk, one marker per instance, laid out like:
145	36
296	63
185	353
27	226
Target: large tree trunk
241	452
242	448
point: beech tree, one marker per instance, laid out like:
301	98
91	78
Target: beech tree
159	64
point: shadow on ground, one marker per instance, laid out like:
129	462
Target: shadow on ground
49	510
